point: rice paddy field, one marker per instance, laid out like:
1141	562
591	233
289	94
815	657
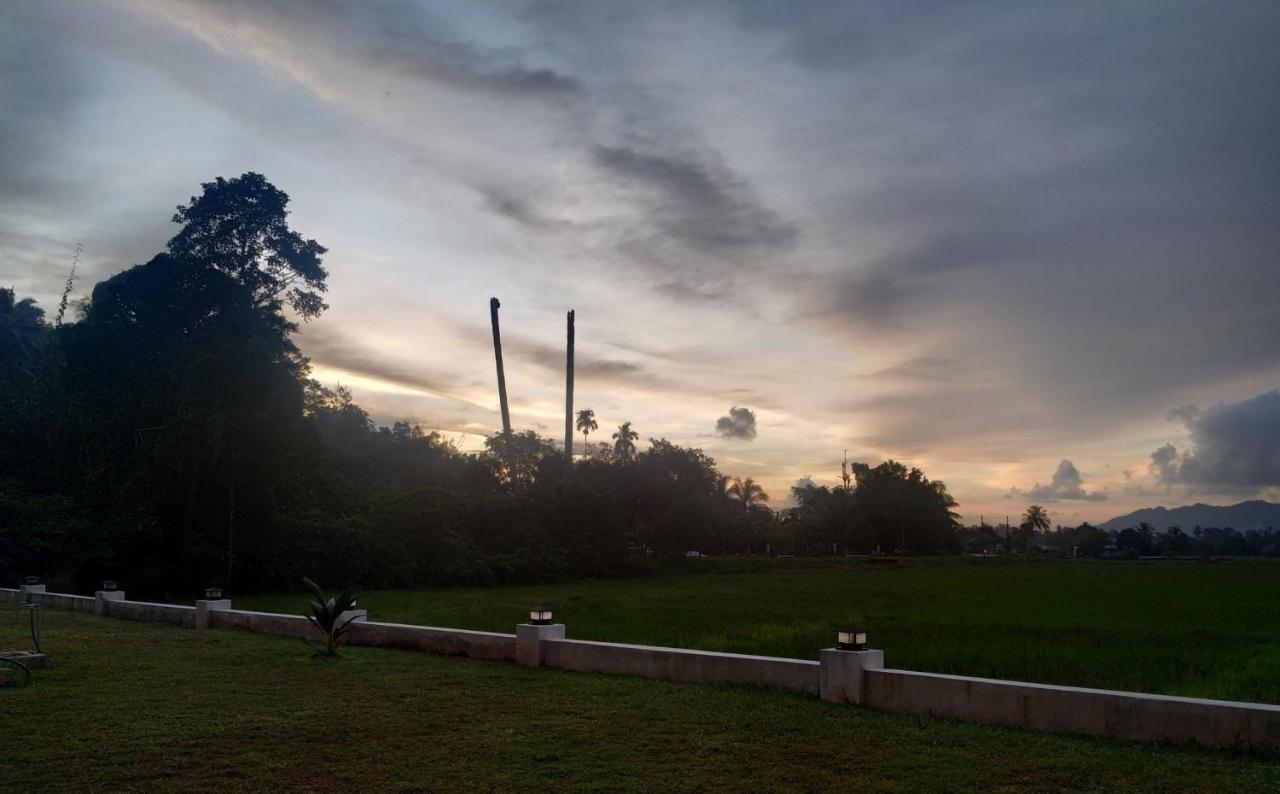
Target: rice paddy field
1179	628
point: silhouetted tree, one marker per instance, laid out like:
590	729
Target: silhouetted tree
586	423
624	442
240	227
22	330
1035	519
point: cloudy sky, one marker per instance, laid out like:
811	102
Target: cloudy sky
1033	248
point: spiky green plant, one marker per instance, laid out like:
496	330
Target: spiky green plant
326	614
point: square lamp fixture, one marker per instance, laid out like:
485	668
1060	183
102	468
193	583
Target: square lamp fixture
851	639
110	584
540	616
213	593
32	580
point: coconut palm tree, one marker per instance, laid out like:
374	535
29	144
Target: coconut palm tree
22	327
748	493
1036	518
586	423
624	442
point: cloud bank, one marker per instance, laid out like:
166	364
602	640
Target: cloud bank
1233	445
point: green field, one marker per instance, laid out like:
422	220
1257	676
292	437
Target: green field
134	706
1196	629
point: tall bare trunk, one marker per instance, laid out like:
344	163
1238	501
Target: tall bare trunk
231	529
568	398
502	379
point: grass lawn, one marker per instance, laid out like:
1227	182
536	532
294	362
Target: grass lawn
1196	629
148	706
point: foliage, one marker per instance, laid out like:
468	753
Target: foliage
326	614
240	228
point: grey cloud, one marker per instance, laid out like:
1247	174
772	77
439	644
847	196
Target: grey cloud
587	368
696	202
1164	463
403	38
1066	485
1042	222
739	423
1233	446
517	208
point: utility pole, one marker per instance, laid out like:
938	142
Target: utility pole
502	379
844	503
568	399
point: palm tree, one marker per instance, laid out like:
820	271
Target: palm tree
624	441
22	327
1036	518
748	493
586	423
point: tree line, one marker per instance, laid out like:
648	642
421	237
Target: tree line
169	435
1034	536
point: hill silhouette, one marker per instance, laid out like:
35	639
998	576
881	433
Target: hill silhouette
1253	514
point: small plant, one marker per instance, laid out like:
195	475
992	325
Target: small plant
326	614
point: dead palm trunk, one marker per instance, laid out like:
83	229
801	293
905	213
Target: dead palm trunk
497	353
568	399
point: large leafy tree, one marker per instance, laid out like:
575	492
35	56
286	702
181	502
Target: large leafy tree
240	227
904	508
185	407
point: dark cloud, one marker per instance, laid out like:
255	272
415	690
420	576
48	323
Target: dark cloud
587	368
702	205
521	210
739	423
1233	446
1066	485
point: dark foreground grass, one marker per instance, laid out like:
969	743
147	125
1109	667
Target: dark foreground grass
146	706
1195	629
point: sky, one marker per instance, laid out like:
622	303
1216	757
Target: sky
1032	248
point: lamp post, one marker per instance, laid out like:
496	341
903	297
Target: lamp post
540	616
851	639
842	670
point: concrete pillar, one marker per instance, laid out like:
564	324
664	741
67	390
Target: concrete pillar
101	597
529	639
840	673
206	605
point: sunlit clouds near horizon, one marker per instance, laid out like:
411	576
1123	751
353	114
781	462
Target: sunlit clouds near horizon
1031	248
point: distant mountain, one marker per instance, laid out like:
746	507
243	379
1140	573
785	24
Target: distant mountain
1243	517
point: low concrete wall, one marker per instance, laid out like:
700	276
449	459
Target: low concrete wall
62	601
153	613
679	664
1100	712
271	623
1124	715
429	639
